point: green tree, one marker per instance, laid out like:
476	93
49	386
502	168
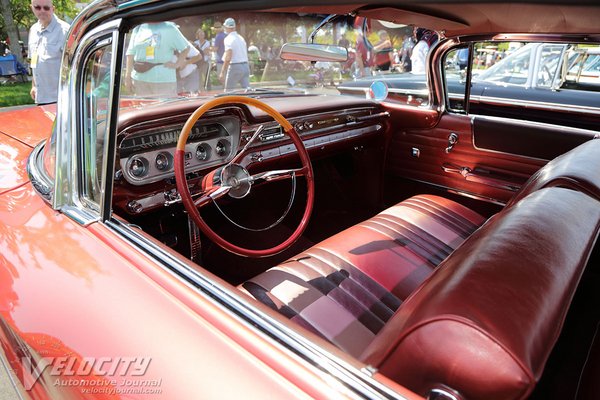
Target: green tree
17	16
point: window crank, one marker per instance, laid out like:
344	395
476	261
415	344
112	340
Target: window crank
452	140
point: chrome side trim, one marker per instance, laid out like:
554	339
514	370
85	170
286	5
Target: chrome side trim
354	382
536	104
37	174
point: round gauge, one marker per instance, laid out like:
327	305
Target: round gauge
138	167
222	148
163	161
203	152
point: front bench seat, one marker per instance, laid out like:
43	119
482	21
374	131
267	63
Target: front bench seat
363	274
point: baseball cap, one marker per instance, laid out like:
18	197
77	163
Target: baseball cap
217	25
229	23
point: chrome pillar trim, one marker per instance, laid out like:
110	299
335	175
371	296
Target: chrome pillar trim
63	133
435	73
69	150
354	382
41	182
82	216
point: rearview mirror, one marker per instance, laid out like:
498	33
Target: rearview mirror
313	52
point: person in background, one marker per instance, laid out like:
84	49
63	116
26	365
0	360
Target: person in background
188	78
218	45
363	57
203	46
150	67
425	39
383	52
235	59
406	52
46	43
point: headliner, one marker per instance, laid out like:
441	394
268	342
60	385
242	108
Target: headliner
469	17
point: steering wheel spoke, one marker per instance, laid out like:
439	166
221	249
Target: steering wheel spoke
214	193
240	155
276	175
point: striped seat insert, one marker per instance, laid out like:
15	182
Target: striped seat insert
362	275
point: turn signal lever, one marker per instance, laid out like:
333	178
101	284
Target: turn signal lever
452	140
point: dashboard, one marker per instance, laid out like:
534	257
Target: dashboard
146	148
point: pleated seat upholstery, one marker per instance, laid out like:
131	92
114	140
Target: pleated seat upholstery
363	274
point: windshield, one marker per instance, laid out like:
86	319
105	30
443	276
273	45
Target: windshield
211	55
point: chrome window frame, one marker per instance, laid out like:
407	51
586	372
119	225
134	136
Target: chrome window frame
69	192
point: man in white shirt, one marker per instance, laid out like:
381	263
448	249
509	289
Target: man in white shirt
235	59
46	42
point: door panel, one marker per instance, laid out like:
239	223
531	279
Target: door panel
464	168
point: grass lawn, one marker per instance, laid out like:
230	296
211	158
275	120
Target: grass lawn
15	94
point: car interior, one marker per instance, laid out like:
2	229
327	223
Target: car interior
449	251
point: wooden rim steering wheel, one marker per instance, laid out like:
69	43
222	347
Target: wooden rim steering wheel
233	178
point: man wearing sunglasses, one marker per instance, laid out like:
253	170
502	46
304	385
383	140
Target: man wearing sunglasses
46	43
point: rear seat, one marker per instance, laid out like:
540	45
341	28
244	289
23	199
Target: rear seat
486	320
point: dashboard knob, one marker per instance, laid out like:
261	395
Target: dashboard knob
135	207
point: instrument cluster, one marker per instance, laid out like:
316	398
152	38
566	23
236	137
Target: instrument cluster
147	156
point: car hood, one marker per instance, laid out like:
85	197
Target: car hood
20	130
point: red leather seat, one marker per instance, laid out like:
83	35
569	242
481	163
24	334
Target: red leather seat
576	169
483	323
486	320
363	274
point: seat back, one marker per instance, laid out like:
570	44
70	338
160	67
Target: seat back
578	169
485	322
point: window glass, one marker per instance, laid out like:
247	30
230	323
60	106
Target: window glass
552	80
549	63
491	64
96	85
185	57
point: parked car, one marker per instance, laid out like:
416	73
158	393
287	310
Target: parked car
284	240
536	75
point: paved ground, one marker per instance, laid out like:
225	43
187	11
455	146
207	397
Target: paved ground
7	390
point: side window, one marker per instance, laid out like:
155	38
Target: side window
549	64
96	87
553	81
